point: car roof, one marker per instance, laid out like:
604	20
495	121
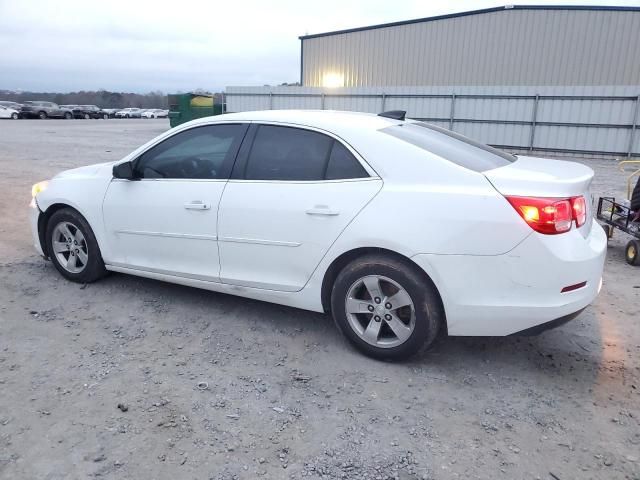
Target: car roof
331	120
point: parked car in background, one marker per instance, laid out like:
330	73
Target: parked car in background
9	113
111	111
89	111
70	107
399	228
40	109
13	105
129	113
153	113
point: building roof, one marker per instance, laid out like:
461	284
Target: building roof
475	12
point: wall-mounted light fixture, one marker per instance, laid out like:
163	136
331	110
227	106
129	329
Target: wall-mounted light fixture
333	80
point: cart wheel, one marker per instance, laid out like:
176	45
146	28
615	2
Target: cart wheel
632	252
608	230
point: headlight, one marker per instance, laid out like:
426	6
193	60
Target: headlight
39	187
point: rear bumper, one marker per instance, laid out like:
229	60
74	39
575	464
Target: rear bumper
543	327
520	290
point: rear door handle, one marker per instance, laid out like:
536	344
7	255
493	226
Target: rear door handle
197	205
322	210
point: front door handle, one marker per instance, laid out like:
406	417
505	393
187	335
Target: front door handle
322	210
197	205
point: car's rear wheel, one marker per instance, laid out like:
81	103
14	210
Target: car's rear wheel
68	116
632	252
73	248
42	115
14	116
87	116
386	307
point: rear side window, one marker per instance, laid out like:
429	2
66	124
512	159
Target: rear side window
343	165
451	145
285	153
295	154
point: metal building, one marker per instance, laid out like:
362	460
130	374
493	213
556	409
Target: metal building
504	46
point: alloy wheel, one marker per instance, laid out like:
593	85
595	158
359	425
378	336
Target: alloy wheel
70	247
380	311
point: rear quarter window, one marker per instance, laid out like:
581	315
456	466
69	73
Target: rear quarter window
451	146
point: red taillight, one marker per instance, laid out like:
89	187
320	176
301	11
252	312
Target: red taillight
550	215
579	207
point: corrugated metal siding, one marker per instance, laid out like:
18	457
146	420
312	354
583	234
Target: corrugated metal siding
600	125
506	47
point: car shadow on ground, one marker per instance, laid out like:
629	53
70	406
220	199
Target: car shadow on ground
576	347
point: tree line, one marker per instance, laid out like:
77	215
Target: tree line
101	98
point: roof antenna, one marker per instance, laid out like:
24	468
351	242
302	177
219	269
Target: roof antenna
395	114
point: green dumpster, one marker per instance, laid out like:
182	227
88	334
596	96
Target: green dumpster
188	106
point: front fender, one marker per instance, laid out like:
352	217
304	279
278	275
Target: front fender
84	195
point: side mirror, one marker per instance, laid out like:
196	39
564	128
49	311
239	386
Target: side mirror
124	171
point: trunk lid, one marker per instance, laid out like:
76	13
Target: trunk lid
541	177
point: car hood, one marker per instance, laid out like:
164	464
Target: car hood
89	171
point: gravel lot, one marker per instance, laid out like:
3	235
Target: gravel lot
212	386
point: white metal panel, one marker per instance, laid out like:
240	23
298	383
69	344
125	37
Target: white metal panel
514	109
493	113
505	47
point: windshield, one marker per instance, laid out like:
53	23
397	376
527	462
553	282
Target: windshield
451	146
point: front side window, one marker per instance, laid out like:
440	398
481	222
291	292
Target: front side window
198	153
295	154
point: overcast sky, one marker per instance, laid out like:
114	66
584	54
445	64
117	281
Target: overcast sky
140	46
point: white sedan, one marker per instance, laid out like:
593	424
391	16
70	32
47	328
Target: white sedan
129	113
401	229
153	113
9	113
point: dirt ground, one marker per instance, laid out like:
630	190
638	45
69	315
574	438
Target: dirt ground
212	386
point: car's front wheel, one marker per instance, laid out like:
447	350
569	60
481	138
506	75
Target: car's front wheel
42	115
68	116
73	248
14	116
386	307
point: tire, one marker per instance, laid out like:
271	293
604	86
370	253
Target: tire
632	253
87	116
68	116
608	230
421	316
42	115
14	116
64	228
126	116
